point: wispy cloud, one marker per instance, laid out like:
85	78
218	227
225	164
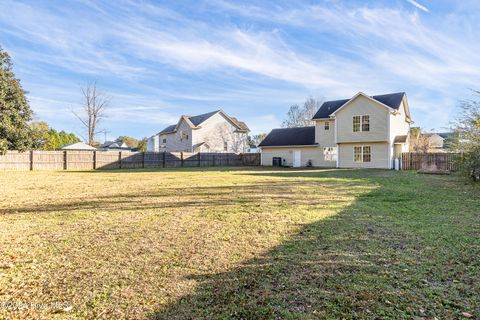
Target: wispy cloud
159	61
418	5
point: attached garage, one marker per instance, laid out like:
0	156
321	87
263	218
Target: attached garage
292	156
295	147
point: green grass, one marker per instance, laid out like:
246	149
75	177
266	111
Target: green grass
240	244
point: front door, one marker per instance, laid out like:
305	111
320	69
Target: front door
297	156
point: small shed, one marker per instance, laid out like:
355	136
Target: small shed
78	146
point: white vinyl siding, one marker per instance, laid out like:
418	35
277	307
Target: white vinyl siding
215	131
355	155
399	127
313	154
378	118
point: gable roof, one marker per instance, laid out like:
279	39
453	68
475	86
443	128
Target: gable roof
302	136
169	129
390	100
195	121
77	146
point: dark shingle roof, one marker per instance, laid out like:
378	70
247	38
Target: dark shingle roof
302	136
169	129
446	135
328	107
392	99
106	144
196	120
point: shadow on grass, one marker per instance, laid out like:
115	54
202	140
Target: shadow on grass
279	190
367	262
177	169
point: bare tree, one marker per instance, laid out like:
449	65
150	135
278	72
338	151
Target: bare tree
301	116
419	142
95	104
256	139
226	137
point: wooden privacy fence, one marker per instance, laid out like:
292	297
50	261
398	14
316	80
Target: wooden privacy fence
429	161
90	160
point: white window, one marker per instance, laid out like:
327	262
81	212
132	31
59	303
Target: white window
327	125
365	123
362	154
164	140
367	155
330	154
225	146
356	123
361	123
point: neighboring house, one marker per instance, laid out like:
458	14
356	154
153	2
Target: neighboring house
253	149
78	146
361	132
210	132
448	139
114	146
435	142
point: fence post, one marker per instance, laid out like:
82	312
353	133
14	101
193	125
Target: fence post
31	160
181	158
198	155
120	159
163	160
214	159
94	160
65	164
143	161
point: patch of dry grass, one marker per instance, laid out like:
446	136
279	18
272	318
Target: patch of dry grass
242	243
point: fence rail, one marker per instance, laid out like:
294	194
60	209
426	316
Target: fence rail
91	160
429	161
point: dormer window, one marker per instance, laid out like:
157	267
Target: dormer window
361	123
327	125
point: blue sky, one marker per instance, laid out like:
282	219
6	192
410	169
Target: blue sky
158	60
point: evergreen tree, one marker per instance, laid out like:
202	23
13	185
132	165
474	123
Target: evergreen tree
15	112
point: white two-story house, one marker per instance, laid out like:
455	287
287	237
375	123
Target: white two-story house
210	132
361	132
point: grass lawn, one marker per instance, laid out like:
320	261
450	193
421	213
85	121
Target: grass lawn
239	244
